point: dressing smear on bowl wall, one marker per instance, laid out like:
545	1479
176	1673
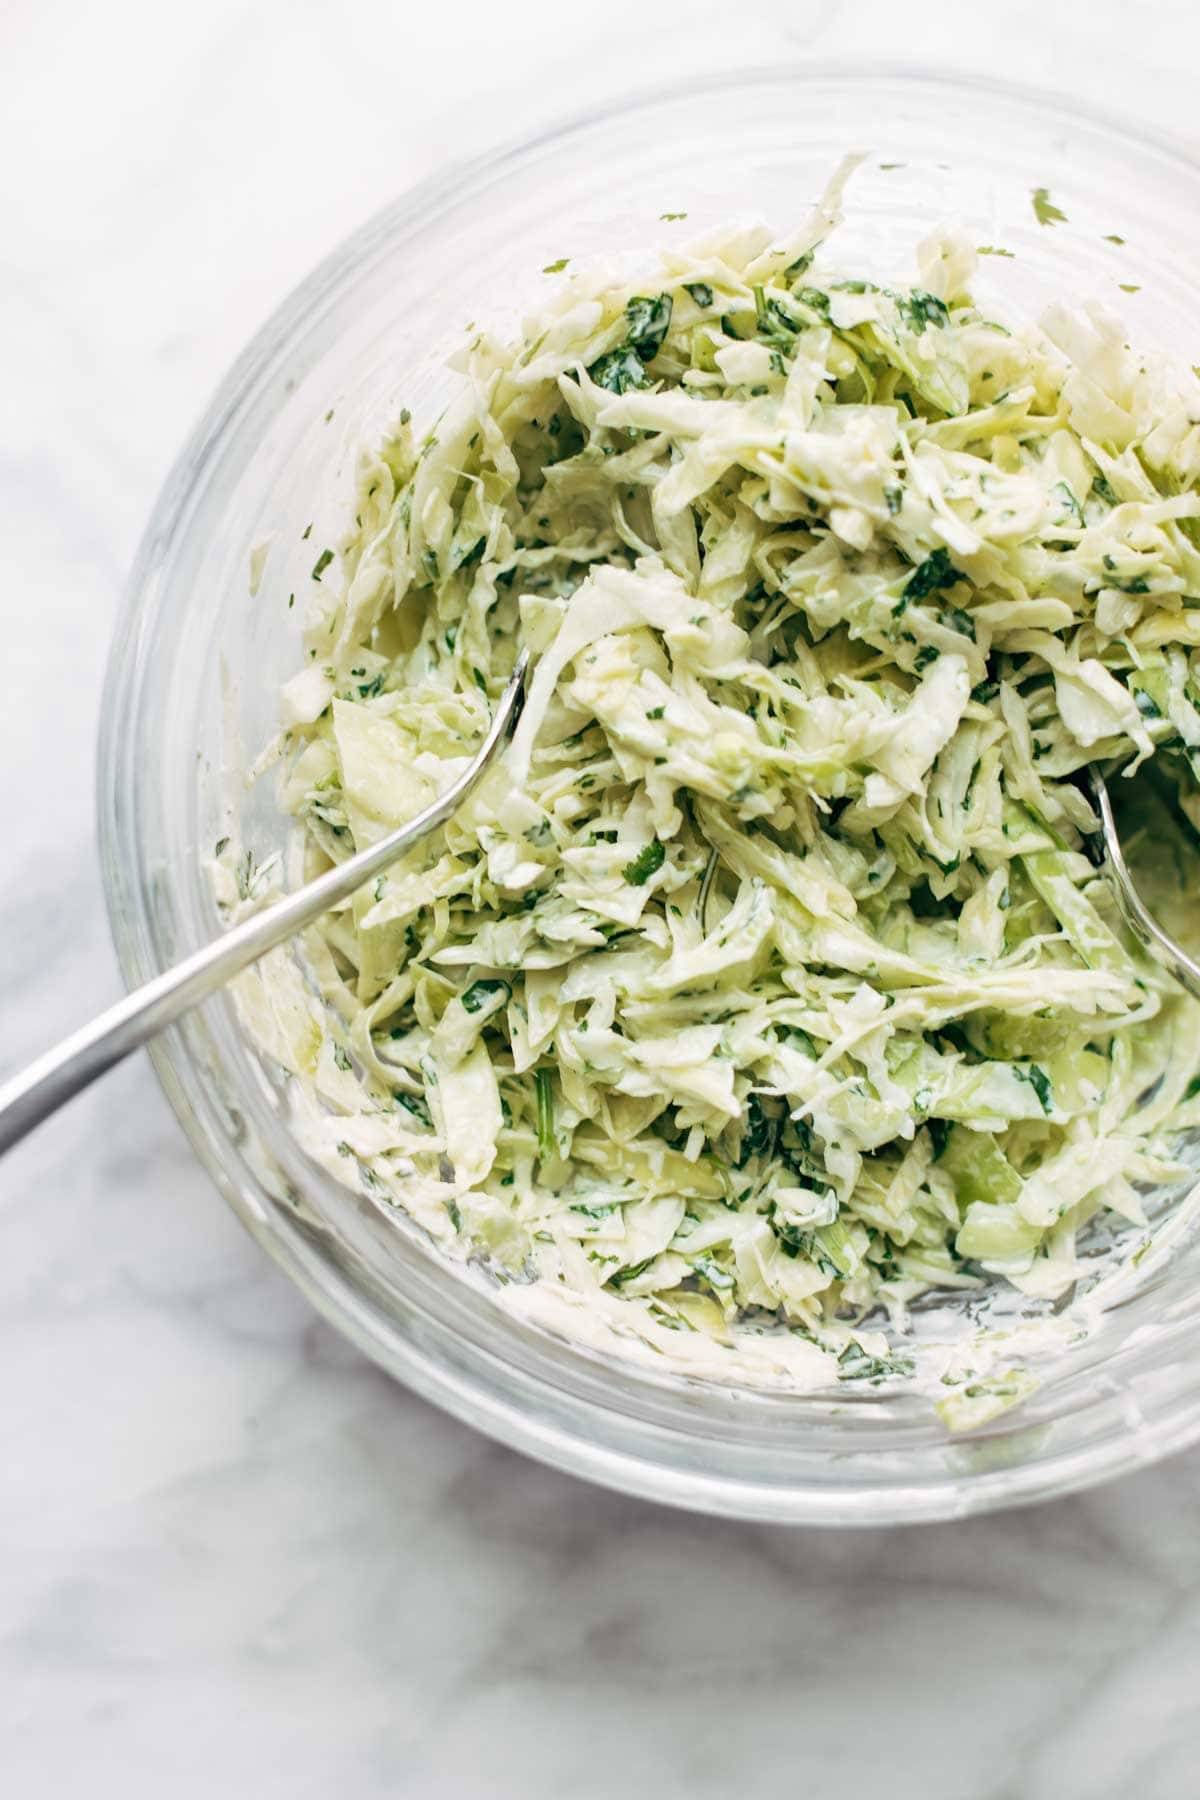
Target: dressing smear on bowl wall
766	990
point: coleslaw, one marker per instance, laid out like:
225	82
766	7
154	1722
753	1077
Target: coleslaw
768	982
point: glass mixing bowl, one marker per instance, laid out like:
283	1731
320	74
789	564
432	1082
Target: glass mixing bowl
197	665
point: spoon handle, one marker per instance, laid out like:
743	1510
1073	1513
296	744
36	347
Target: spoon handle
62	1072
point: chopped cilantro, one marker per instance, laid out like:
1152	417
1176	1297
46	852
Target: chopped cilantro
630	1272
619	370
920	309
646	863
481	992
246	874
1066	494
649	322
414	1104
711	1271
1044	209
816	301
1042	1086
937	571
855	1365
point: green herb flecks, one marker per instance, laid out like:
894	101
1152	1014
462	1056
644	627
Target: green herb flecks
544	1089
416	1105
483	993
1042	1086
854	1364
1044	209
1066	494
620	370
919	309
646	863
247	875
936	572
649	321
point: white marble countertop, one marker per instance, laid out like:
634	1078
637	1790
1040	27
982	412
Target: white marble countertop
234	1558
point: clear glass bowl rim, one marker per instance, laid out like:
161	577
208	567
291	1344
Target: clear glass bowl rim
634	1469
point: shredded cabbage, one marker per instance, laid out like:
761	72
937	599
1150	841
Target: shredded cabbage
768	978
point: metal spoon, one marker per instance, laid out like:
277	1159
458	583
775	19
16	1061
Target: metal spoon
62	1072
1141	921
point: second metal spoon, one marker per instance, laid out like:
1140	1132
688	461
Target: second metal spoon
1141	921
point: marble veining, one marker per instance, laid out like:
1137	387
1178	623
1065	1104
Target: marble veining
234	1558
